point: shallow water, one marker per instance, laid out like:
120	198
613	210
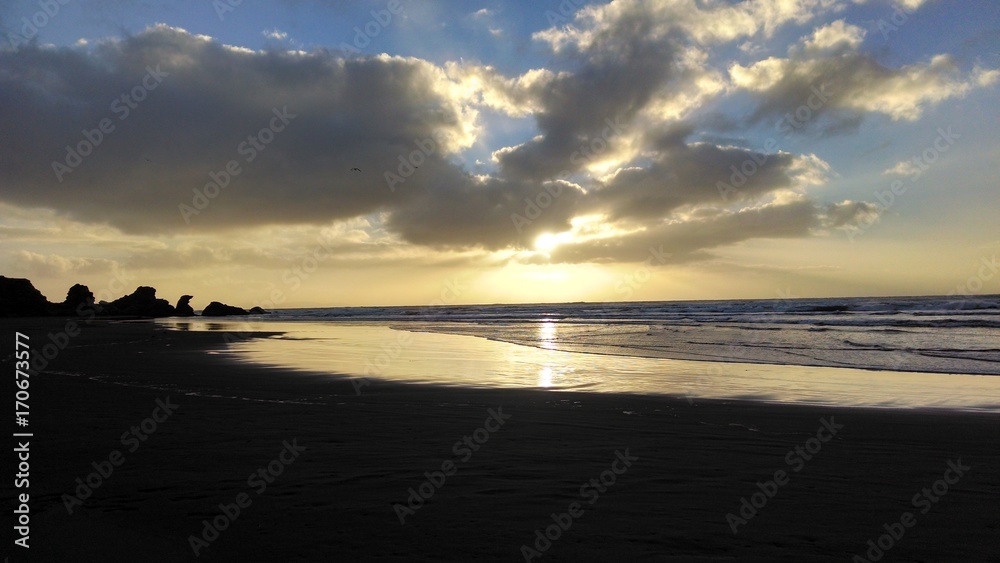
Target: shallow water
951	334
379	352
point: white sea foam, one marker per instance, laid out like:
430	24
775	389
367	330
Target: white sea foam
925	334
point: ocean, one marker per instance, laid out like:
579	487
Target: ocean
908	352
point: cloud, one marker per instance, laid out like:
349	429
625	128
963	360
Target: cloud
275	34
827	74
903	168
705	22
520	96
635	62
684	174
690	240
28	264
909	5
837	36
611	162
854	84
349	113
848	214
592	105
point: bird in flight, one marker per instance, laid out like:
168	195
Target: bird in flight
355	170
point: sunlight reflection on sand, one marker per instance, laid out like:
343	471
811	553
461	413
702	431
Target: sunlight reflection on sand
380	352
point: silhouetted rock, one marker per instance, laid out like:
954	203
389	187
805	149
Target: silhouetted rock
216	309
142	303
18	298
259	311
184	306
79	300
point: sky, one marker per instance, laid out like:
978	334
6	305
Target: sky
304	153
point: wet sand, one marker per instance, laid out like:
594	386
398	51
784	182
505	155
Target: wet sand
335	499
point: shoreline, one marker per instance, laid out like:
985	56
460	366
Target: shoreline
391	353
648	351
630	352
364	452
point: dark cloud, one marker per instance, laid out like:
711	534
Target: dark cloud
364	113
815	94
493	214
370	136
851	213
348	113
833	93
687	174
617	75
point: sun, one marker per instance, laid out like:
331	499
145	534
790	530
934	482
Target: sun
547	242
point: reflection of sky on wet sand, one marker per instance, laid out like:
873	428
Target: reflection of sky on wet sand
380	352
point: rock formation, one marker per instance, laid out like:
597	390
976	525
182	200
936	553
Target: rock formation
216	309
79	301
18	298
183	307
142	303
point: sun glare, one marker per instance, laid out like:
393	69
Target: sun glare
547	242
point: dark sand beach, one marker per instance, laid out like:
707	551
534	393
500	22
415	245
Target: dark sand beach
334	500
